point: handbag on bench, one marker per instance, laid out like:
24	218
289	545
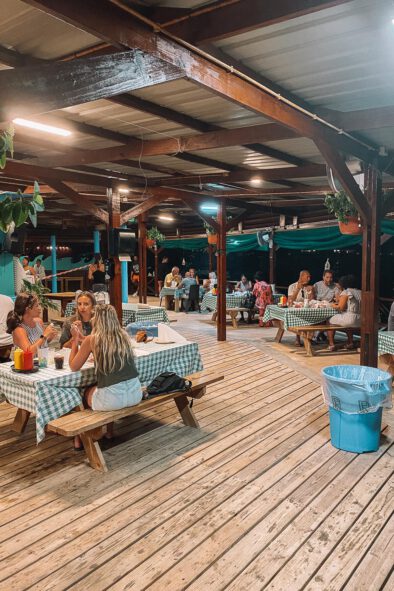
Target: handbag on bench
167	382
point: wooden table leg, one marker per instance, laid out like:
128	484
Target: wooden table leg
280	332
233	316
214	316
186	412
176	304
93	451
20	421
308	344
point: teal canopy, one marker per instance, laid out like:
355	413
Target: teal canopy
315	239
240	243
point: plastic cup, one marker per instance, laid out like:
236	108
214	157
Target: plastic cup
59	360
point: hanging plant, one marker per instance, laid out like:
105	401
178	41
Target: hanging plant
16	208
6	146
153	235
345	211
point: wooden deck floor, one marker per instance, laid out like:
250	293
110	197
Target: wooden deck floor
258	499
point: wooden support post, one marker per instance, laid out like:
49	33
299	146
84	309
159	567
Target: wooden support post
210	255
156	252
222	273
371	270
272	258
142	289
115	290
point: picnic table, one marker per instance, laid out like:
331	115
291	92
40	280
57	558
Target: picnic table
286	318
233	300
386	348
169	293
51	393
64	298
153	313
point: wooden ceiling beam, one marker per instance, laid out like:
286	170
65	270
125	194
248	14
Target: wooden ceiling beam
51	86
116	26
229	19
338	165
81	202
137	210
265	174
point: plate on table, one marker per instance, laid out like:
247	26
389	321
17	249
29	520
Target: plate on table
35	368
160	342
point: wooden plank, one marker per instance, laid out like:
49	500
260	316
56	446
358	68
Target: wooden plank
188	416
20	421
116	26
79	200
50	86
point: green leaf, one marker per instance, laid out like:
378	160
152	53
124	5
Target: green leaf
3	226
19	214
33	218
6	213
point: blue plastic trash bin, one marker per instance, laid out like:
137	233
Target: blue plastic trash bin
356	396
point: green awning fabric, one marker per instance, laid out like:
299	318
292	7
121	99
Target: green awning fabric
314	239
241	243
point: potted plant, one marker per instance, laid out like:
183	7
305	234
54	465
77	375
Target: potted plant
153	236
38	290
346	213
211	234
15	208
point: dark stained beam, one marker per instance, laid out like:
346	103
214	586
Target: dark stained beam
338	165
31	172
116	26
234	18
82	203
137	210
50	86
264	174
204	141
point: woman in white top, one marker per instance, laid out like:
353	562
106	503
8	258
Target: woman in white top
349	306
25	324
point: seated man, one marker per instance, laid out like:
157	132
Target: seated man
186	282
390	324
326	289
173	279
301	290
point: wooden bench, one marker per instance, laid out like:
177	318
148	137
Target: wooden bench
233	313
307	333
91	425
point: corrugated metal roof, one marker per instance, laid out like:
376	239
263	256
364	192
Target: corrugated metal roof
340	58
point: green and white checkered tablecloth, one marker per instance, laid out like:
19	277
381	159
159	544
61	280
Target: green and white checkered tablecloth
209	301
148	314
51	393
298	316
156	314
171	291
386	342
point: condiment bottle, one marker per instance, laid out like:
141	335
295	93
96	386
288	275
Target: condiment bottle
284	302
27	360
18	359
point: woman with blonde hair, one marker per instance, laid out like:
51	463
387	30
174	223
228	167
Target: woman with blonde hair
82	319
118	385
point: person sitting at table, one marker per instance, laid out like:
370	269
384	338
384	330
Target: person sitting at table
186	282
6	342
193	274
301	290
243	285
25	324
118	385
96	274
263	294
173	279
349	306
326	289
85	303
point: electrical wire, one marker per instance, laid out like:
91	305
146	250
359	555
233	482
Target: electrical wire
160	29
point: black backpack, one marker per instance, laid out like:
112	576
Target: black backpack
249	301
167	382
